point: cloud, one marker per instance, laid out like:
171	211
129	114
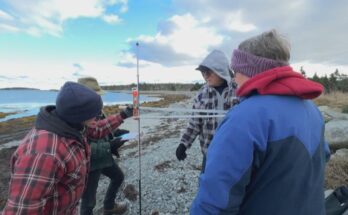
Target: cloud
53	74
78	70
5	78
126	59
38	74
126	64
234	22
129	60
186	39
181	40
316	30
112	19
37	17
78	67
8	28
5	16
123	3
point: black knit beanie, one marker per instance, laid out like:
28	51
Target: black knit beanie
76	103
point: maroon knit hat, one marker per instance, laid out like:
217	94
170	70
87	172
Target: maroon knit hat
250	65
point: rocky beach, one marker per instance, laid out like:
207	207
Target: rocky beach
167	185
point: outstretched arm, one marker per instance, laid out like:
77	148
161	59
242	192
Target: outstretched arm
102	128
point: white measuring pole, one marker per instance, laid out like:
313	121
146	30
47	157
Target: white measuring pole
138	112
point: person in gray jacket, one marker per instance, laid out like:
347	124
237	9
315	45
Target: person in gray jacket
217	94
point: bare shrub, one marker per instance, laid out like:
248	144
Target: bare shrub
336	172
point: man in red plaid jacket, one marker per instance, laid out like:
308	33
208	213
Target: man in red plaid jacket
49	168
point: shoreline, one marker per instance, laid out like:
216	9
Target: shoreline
15	129
7	114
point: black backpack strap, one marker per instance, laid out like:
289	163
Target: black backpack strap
337	202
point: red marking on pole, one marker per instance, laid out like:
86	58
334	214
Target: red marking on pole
135	102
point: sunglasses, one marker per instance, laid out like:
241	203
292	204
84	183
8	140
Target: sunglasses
206	73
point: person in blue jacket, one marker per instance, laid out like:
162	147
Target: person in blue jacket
268	155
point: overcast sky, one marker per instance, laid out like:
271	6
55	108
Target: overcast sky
44	43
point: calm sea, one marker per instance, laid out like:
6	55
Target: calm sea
28	102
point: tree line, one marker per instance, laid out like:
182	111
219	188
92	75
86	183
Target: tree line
336	81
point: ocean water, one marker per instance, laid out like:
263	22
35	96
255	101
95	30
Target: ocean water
28	102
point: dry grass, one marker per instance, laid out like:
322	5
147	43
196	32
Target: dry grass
130	192
15	129
336	172
162	166
336	100
3	115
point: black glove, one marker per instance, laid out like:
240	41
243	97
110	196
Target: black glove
127	112
115	144
120	132
181	152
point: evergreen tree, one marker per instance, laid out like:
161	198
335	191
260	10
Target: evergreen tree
302	71
333	82
316	78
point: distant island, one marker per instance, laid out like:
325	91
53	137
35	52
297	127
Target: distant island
18	88
26	88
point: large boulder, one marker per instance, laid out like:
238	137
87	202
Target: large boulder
336	128
343	153
336	134
330	114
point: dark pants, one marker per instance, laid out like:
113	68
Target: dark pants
89	196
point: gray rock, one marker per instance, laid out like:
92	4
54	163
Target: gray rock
329	114
341	153
336	134
328	192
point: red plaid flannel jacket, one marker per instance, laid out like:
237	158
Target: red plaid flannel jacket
49	172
